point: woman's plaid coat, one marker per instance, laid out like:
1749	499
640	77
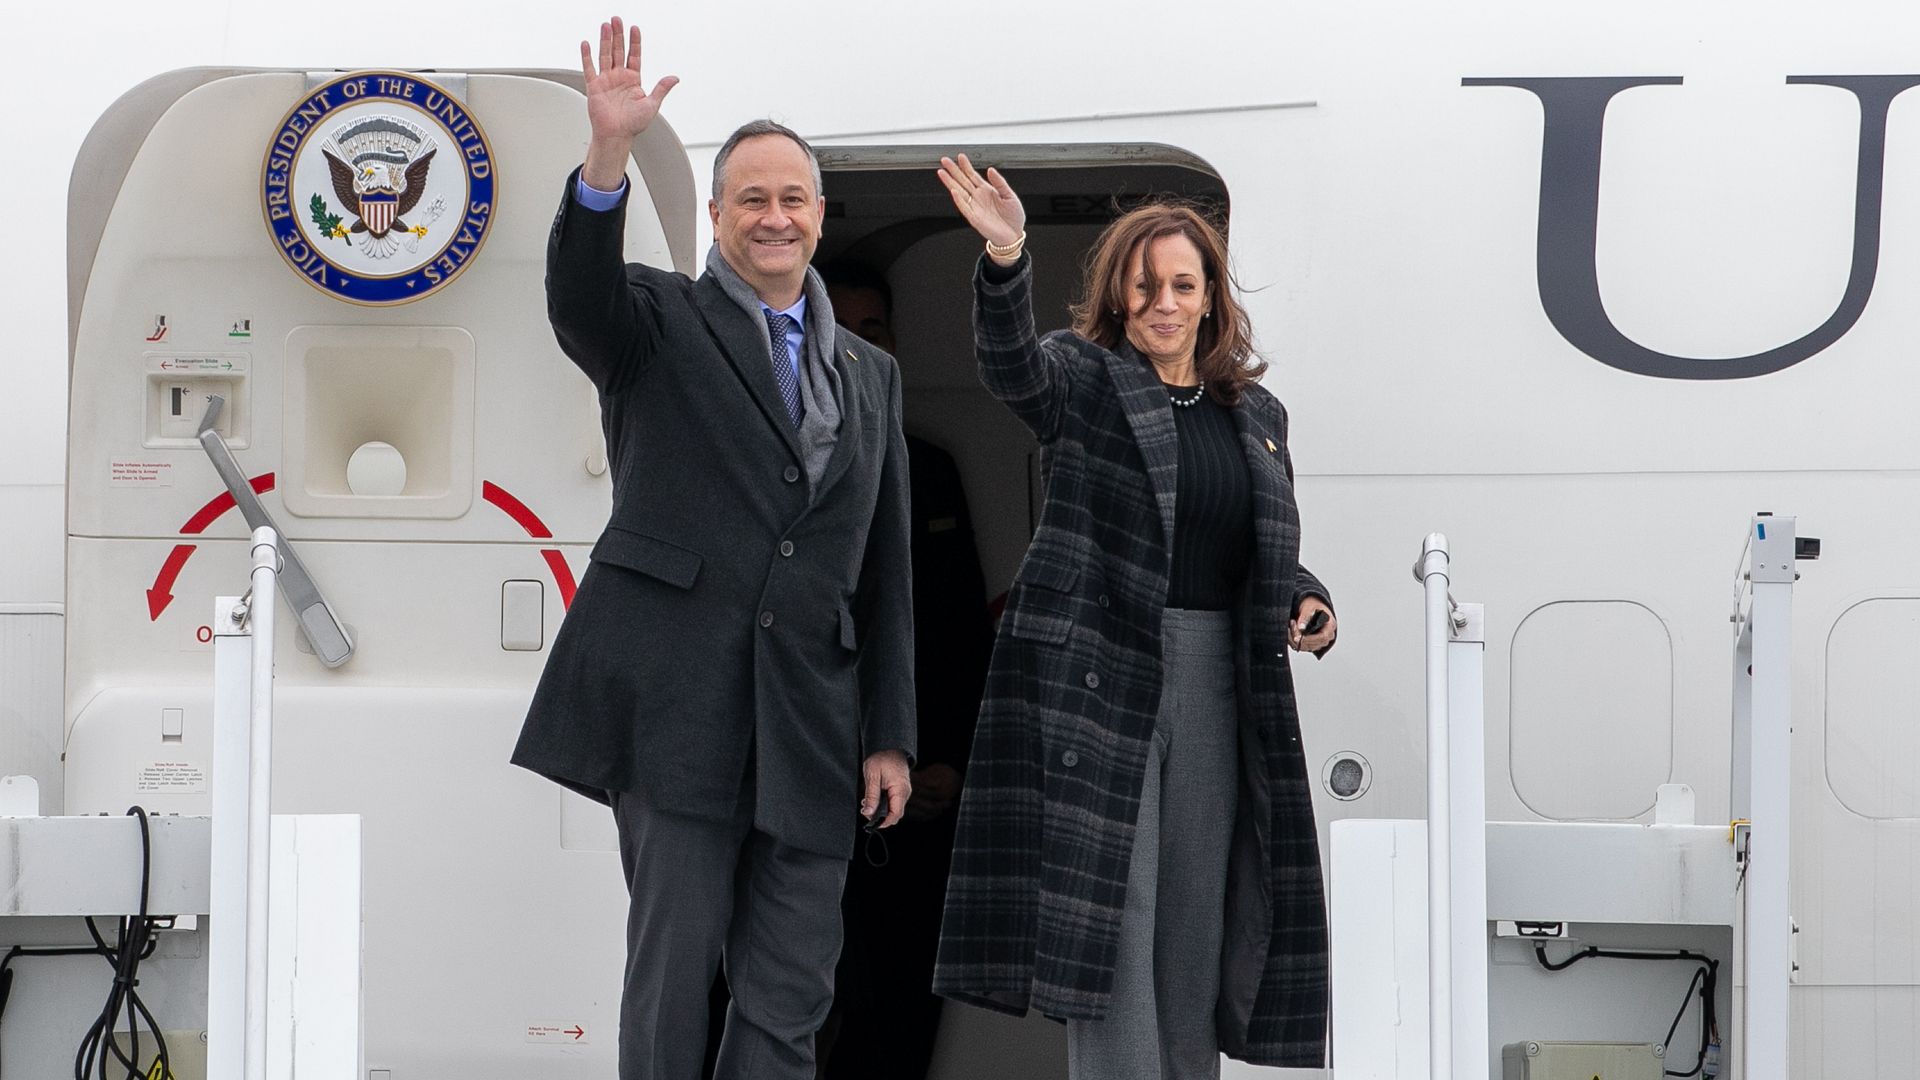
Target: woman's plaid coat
1053	788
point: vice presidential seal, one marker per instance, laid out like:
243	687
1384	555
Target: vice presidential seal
379	187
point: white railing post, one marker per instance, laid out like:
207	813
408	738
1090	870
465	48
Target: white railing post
241	801
1762	788
1467	842
1432	570
1455	651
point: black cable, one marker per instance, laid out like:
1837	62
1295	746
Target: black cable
1703	977
136	943
1685	1000
133	942
1706	978
1540	951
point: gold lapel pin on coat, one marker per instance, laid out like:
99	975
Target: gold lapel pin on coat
851	356
1272	449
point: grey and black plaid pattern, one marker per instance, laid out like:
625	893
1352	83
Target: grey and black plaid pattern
1047	817
783	370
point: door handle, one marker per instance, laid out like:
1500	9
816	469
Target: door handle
318	624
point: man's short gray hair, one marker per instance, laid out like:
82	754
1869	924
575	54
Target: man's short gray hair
753	129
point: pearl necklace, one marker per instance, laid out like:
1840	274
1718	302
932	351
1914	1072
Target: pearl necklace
1198	393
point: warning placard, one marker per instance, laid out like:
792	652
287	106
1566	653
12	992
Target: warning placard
171	778
557	1033
140	474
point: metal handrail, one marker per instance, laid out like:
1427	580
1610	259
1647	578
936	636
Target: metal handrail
1432	570
242	800
1455	652
312	614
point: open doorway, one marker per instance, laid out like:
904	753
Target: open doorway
887	214
886	211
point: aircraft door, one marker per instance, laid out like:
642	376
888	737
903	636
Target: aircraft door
353	262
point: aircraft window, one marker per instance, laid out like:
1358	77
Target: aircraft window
1348	776
1588	741
1873	700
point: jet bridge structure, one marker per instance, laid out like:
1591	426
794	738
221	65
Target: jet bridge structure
1451	954
269	985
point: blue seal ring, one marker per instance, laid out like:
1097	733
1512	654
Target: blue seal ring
288	213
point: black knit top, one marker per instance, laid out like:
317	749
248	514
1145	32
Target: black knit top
1213	515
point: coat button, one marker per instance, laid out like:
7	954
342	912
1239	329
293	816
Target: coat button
1093	681
1069	759
786	549
1103	601
766	618
792	474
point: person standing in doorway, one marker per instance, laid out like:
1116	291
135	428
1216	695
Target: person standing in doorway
735	676
886	1016
1136	852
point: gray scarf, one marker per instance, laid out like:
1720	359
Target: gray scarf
819	379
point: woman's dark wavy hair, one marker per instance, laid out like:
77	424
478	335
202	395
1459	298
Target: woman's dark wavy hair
1223	353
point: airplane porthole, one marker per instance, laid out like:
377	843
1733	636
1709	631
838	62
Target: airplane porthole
1347	776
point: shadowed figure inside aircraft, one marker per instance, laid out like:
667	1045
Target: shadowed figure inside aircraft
885	1016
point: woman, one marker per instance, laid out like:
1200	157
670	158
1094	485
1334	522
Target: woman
1136	851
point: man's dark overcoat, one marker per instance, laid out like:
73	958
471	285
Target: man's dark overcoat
735	615
1053	789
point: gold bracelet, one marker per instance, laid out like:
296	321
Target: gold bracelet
1008	251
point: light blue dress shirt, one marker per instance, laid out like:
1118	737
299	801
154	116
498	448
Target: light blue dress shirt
594	199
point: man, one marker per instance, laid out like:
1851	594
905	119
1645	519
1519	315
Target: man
885	1017
735	676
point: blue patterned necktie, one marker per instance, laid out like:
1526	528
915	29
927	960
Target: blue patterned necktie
783	372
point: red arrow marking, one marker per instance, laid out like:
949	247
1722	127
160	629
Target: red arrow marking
222	503
515	509
562	575
530	521
161	594
576	1031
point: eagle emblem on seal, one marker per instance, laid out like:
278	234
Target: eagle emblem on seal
378	187
379	166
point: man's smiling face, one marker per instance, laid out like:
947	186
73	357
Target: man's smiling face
767	219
